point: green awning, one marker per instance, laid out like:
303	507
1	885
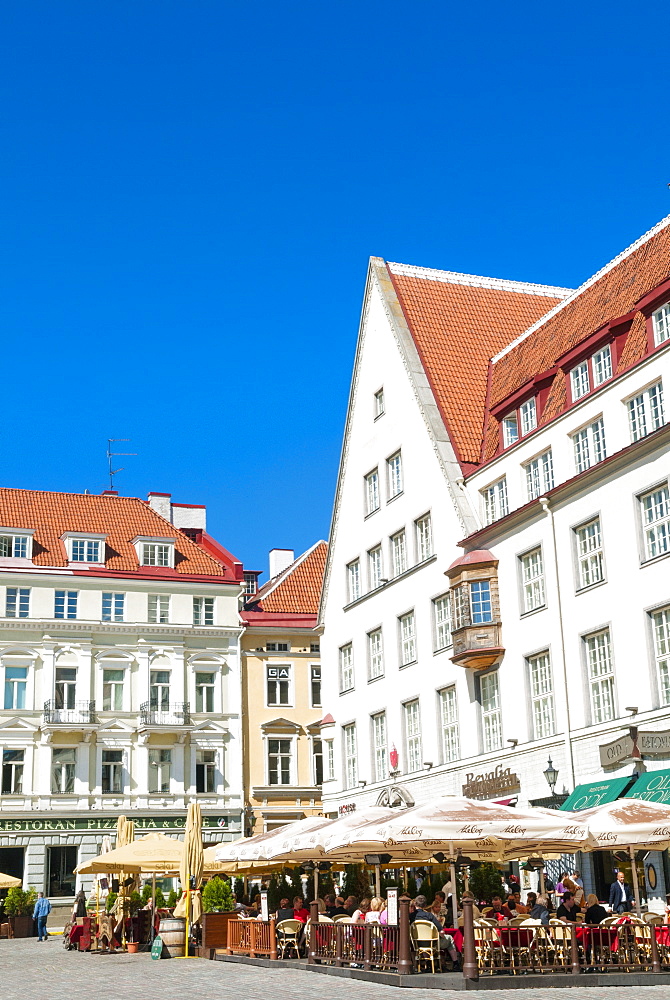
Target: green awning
594	794
654	786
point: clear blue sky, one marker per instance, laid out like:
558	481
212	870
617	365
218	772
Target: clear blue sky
190	192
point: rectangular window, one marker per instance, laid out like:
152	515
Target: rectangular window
379	403
204	690
645	412
442	619
481	610
317	761
510	429
375	654
203	610
154	554
346	668
661	324
113	606
160	765
65	604
66	687
589	445
61	864
350	756
14	546
398	553
601	675
589	553
16	682
451	749
532	577
205	771
541	695
279	685
656	521
375	572
424	538
601	363
579	381
394	468
315	647
354	580
661	625
63	761
528	415
330	760
407	638
278	647
112	772
250	584
495	501
315	684
159	690
461	606
491	717
414	751
112	690
380	747
539	475
12	772
372	492
159	609
17	602
85	550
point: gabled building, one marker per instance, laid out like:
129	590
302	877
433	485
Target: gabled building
497	591
281	691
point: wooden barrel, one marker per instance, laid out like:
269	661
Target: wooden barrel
172	931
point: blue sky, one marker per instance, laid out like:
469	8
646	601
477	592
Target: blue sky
190	192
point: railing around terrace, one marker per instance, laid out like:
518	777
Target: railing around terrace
255	938
367	946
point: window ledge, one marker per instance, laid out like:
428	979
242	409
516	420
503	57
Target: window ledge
654	559
591	586
443	649
372	680
389	583
410	663
395	497
370	513
533	611
379	416
347	691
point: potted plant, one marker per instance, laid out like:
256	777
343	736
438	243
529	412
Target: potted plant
19	906
134	904
218	905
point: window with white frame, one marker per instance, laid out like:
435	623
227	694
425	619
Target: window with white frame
315	684
372	491
451	748
528	416
442	620
379	745
278	647
160	766
489	690
85	550
660	621
354	580
12	771
330	760
460	607
346	667
601	675
510	429
112	690
532	580
601	365
413	748
495	501
394	471
159	609
350	755
661	324
645	412
655	507
375	571
113	607
203	610
279	685
541	695
112	772
398	553
63	765
579	381
379	403
315	647
65	604
317	761
375	654
589	553
407	629
17	602
424	538
205	771
539	475
15	546
16	683
159	690
205	682
589	445
250	584
156	554
481	608
65	689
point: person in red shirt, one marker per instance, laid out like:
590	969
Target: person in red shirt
299	911
499	907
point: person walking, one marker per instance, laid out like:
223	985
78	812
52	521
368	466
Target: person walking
40	914
621	897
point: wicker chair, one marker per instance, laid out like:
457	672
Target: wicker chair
425	939
287	937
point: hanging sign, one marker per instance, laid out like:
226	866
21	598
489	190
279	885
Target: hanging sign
392	907
487	786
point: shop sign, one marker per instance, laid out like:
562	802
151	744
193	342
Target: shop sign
347	808
617	751
654	743
487	786
649	744
41	824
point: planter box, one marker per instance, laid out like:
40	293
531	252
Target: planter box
215	929
22	927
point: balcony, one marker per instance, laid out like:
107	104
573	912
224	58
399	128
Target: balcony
82	714
170	716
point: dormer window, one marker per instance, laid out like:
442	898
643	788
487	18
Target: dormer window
82	548
528	414
510	429
591	373
601	363
661	324
579	381
15	546
155	551
520	422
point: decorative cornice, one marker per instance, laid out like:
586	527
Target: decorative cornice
120	628
479	281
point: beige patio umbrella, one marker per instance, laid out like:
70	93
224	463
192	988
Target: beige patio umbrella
191	870
154	853
8	881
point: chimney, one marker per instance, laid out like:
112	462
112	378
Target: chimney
161	503
279	560
185	516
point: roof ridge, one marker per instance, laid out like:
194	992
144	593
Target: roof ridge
69	493
582	288
280	577
477	280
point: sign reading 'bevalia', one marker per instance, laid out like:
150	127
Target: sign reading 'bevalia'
487	786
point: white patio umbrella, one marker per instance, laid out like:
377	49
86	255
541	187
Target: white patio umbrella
260	847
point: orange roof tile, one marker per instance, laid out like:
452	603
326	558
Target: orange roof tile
296	590
458	323
119	518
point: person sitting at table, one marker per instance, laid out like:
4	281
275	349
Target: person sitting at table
358	916
520	907
299	910
442	900
335	906
510	903
377	904
537	908
350	905
436	910
499	909
446	940
568	909
476	912
595	913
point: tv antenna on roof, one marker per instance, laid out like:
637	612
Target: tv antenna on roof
115	454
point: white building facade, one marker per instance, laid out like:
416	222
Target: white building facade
121	677
497	592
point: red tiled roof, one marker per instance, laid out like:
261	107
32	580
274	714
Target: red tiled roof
458	325
119	518
296	590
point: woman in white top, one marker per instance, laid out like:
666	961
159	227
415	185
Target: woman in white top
376	906
358	916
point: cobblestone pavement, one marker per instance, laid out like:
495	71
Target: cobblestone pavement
30	970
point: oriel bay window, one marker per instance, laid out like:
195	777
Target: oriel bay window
112	772
63	761
279	685
205	771
160	764
475	611
279	761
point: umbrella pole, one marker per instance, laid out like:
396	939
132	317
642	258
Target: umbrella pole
153	906
97	907
188	912
636	888
316	882
377	880
454	887
542	881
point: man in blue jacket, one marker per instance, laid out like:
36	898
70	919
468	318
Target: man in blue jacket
40	914
621	897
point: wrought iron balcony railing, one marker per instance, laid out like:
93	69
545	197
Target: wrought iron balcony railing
83	713
178	714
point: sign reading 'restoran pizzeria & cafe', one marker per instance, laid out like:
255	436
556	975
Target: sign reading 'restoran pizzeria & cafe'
42	824
487	786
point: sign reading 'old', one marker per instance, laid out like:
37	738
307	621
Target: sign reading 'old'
487	786
649	744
